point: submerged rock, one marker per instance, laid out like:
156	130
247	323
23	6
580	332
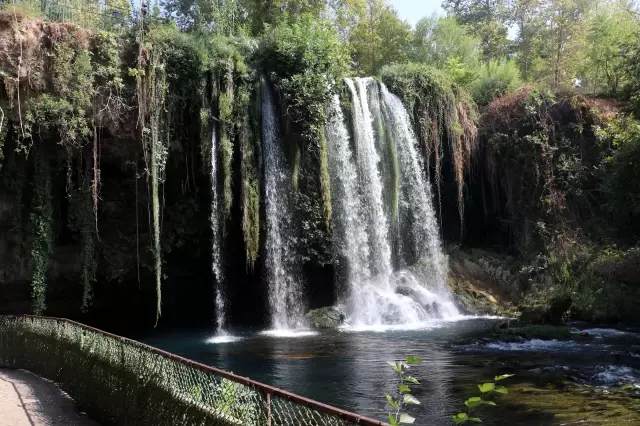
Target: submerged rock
324	318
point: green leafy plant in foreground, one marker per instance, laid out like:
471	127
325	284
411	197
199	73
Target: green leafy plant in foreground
486	391
403	392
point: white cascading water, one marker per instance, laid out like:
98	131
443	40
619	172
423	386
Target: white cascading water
348	225
377	295
216	240
416	190
285	292
368	165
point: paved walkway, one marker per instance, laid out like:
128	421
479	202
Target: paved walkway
28	400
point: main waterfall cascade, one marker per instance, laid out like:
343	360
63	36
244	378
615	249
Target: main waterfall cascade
216	240
377	295
285	292
389	260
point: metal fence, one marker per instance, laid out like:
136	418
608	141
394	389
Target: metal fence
123	382
110	15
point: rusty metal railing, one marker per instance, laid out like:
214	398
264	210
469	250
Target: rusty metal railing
120	381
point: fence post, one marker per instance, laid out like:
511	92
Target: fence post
268	408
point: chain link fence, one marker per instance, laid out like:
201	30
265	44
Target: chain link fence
120	381
108	15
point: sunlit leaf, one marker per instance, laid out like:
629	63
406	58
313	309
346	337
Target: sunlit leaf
475	419
412	380
502	390
489	403
396	367
391	401
486	387
473	402
392	420
413	360
504	376
404	389
406	419
460	418
410	399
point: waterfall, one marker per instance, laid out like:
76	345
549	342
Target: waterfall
371	181
350	229
216	240
377	295
285	292
416	190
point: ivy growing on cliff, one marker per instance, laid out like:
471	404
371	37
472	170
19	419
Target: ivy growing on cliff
305	60
41	223
442	113
250	192
82	218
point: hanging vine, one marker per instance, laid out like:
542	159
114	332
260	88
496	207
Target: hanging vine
82	219
227	132
250	191
442	113
41	221
151	91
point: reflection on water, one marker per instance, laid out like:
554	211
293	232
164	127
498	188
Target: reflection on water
348	369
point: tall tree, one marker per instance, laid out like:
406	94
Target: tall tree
261	12
438	40
487	20
379	38
566	38
613	27
527	16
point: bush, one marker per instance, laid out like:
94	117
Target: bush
621	187
495	79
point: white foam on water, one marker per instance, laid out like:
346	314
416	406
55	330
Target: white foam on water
289	333
617	375
535	345
413	326
382	328
604	332
223	338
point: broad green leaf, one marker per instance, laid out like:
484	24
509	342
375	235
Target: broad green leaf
392	403
397	367
412	380
504	376
486	387
502	390
406	419
392	420
460	418
489	403
475	419
410	399
413	360
473	402
404	388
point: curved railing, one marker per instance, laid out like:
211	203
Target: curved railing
123	382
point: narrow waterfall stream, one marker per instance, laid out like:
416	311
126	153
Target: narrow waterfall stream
377	295
350	229
369	175
216	237
285	292
416	189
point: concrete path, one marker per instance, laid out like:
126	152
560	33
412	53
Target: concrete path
29	400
